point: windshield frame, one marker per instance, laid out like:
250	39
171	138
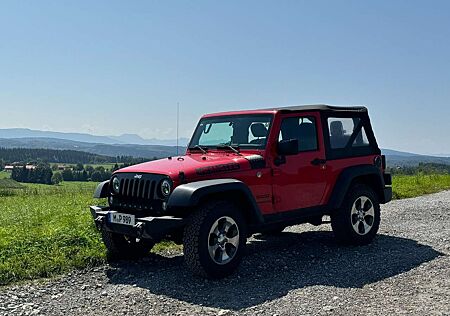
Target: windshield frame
268	116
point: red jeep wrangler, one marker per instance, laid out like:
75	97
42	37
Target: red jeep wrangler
247	172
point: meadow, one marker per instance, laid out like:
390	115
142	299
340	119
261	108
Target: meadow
46	230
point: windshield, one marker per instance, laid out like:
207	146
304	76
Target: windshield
241	131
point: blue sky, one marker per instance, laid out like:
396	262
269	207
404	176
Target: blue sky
113	67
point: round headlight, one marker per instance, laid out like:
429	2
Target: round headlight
166	187
116	185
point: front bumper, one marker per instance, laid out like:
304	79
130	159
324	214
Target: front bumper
146	227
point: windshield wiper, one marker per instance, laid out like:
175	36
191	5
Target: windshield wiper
234	149
203	150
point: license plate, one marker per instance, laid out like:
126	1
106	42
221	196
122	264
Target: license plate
124	219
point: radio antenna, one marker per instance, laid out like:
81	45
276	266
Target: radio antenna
178	122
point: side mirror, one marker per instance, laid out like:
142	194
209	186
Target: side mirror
288	147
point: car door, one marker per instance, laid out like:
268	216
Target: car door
299	180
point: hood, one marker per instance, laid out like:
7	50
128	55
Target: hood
197	165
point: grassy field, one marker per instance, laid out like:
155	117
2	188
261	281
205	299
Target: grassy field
415	185
48	230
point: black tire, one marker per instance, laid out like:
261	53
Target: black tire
351	228
123	247
197	239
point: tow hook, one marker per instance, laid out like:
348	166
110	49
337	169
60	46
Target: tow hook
99	222
140	229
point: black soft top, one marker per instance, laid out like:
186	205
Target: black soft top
321	107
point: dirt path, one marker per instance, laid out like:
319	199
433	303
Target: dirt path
303	271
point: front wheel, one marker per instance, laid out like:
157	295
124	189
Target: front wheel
358	220
214	239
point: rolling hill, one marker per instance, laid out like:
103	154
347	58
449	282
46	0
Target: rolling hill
400	158
14	133
138	151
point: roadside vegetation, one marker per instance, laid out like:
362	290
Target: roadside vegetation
46	230
408	186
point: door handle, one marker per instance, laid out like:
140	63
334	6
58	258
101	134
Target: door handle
318	161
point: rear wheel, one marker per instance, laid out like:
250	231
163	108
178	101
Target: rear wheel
358	220
214	239
125	247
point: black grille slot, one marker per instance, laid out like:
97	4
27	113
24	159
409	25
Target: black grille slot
152	190
122	185
130	187
146	189
141	188
125	188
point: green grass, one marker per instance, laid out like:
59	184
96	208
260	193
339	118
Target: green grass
416	185
48	230
4	175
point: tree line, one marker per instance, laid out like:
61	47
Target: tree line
46	174
42	173
86	173
43	165
36	155
10	155
423	168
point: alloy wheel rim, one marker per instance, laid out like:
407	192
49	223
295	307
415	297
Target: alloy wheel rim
362	215
223	240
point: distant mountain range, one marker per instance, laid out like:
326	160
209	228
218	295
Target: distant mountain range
114	150
401	158
136	146
13	133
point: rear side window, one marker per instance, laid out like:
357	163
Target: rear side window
301	128
349	136
341	131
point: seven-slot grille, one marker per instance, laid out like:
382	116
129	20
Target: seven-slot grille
137	188
138	192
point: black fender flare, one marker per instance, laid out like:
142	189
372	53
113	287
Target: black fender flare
345	179
190	195
102	190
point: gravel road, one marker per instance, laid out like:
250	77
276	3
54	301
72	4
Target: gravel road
405	271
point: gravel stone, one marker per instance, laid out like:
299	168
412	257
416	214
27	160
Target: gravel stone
303	271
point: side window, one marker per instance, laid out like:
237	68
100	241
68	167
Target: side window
301	128
341	129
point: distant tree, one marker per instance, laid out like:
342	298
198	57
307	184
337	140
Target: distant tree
42	173
100	168
96	176
2	164
67	175
16	174
57	178
55	167
79	167
89	169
